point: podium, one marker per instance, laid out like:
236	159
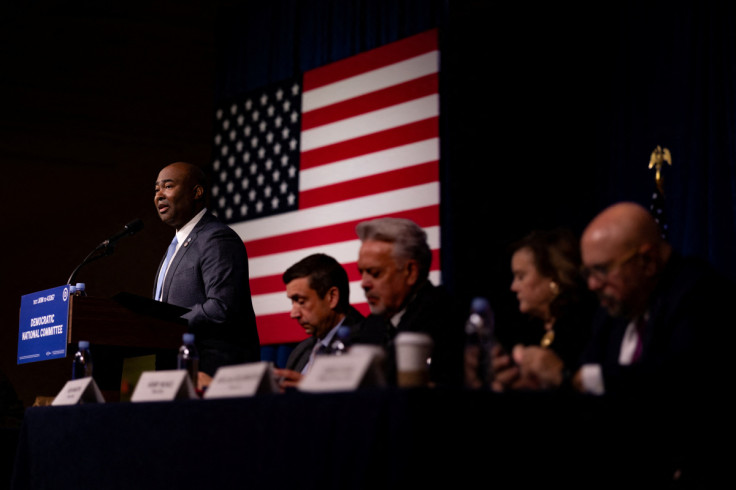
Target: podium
122	327
124	321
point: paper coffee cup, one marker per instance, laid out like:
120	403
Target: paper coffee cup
373	350
413	350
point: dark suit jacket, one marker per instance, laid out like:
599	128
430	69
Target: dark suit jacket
209	275
680	340
300	355
431	310
678	392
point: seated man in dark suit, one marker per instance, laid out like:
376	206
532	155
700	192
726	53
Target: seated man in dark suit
320	293
394	262
207	273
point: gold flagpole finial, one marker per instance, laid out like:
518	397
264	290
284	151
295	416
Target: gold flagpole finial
659	156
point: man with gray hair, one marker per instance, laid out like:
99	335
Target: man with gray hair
394	262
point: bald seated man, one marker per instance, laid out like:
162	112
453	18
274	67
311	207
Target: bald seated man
660	321
208	272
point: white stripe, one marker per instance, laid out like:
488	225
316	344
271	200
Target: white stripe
269	265
329	214
371	81
343	252
370	164
370	122
269	304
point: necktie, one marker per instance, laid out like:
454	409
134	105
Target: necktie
318	349
169	254
640	324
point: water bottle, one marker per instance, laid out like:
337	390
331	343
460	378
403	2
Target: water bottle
82	364
80	289
188	357
341	342
478	344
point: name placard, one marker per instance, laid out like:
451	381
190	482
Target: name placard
342	373
78	391
242	380
161	386
42	329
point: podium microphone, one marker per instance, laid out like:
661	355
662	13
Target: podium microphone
130	229
107	247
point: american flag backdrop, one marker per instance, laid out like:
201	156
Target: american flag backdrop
298	164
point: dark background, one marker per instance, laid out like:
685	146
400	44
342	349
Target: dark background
548	114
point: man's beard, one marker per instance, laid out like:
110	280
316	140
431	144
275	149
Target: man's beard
613	306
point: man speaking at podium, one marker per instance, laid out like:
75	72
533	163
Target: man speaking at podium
205	269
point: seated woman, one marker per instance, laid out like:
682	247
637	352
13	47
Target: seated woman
553	295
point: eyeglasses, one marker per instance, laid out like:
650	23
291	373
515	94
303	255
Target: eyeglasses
601	271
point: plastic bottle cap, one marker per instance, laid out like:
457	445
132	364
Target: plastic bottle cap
479	304
188	338
80	285
84	344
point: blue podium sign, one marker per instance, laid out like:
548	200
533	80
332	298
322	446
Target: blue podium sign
42	333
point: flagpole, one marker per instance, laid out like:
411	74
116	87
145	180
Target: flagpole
656	161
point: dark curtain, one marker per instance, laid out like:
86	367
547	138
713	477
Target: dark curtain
264	42
548	113
674	84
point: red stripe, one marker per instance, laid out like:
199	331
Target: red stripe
424	217
370	60
374	184
267	285
363	308
382	140
274	284
396	94
279	328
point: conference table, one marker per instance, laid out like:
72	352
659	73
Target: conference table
364	439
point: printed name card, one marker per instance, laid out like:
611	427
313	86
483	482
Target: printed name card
78	391
342	373
160	386
242	380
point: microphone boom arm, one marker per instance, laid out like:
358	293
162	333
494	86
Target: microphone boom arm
91	257
107	247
